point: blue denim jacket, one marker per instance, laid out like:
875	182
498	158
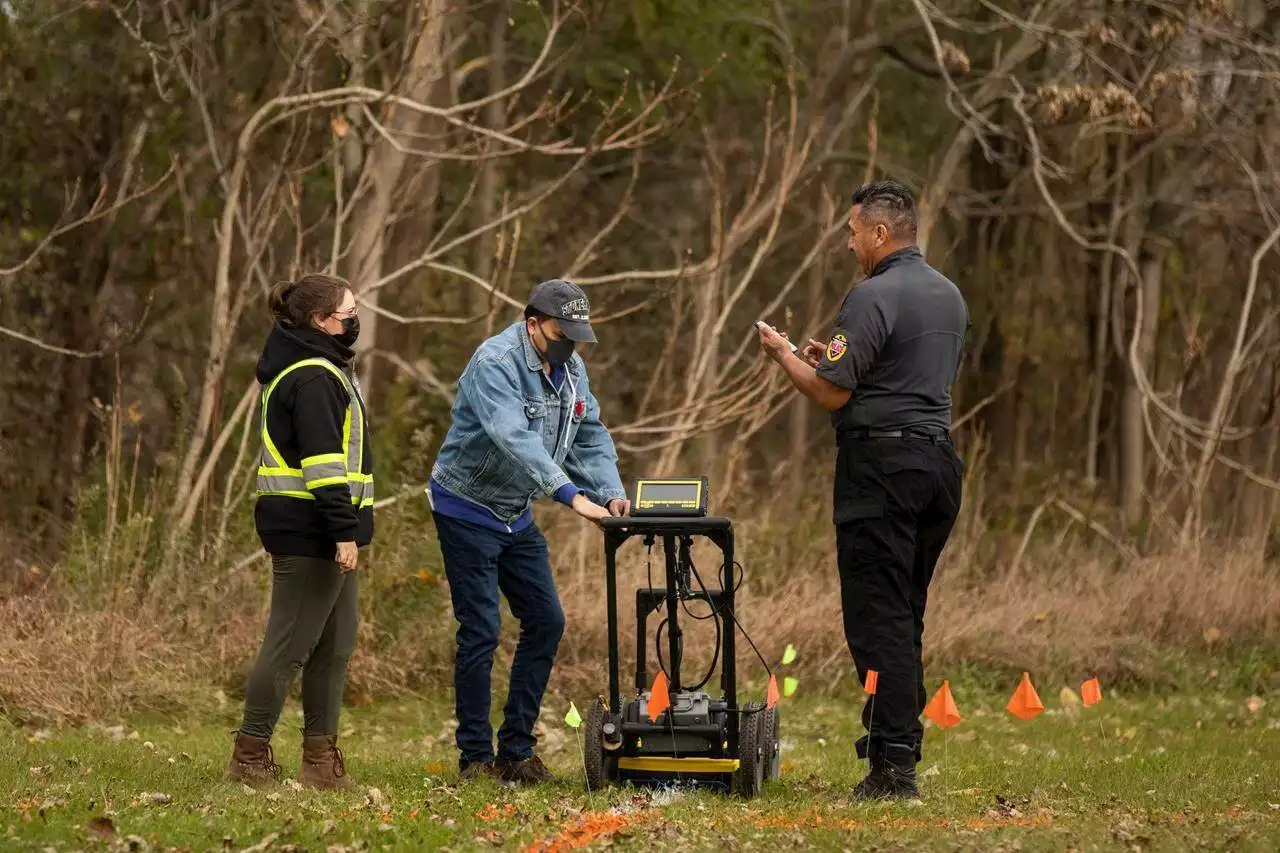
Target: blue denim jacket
515	438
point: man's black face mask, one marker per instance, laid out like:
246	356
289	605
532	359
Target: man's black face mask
558	351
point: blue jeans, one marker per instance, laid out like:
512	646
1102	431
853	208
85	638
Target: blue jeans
478	563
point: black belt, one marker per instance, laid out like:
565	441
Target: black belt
917	433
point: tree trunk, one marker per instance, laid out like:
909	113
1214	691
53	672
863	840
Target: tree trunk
802	410
385	167
489	182
1133	431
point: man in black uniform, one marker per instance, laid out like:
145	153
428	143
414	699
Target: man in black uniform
885	376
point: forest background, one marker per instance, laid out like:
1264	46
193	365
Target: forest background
1098	177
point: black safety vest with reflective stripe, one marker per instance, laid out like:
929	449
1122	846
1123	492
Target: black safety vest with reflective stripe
326	469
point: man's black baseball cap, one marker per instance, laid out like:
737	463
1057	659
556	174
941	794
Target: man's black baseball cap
566	302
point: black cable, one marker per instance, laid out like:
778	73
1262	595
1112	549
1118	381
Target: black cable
734	615
684	605
715	657
715	611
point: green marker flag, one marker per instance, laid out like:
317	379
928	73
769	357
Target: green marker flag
789	686
573	718
789	656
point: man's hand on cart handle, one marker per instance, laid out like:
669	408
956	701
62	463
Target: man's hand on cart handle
588	509
619	507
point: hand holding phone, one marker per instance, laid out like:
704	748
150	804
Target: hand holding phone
762	324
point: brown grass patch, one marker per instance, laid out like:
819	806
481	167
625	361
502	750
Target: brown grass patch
1073	609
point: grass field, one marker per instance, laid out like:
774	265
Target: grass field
1136	773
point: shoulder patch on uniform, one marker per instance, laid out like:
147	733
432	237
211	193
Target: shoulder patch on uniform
838	346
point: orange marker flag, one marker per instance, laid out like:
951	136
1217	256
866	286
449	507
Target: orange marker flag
771	698
659	701
942	708
873	679
1025	702
1091	692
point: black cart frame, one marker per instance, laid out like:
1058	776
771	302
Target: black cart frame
675	533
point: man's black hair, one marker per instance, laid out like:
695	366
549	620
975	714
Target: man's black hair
530	311
891	203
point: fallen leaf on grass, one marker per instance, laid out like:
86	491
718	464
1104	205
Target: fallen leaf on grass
1212	635
101	827
1255	704
155	798
1070	702
932	771
1004	809
293	784
263	844
374	799
52	803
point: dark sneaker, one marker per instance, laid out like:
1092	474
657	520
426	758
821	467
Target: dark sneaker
474	770
524	771
886	782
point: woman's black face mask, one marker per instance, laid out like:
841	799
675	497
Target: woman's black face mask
350	331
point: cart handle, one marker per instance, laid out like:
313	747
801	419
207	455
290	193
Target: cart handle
674	525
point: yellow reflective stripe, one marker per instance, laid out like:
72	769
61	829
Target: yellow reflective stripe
324	458
324	469
268	445
326	481
264	471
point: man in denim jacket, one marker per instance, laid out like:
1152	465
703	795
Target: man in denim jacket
525	425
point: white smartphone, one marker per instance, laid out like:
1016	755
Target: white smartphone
763	323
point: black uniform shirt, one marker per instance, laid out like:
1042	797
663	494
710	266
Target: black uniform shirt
897	345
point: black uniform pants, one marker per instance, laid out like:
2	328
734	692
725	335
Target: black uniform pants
896	501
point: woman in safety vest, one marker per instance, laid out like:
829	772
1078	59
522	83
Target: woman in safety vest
314	511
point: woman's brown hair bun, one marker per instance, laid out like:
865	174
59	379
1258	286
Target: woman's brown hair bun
294	302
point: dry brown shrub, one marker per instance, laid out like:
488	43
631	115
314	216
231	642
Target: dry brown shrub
1074	609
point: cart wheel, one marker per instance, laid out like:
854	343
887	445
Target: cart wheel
749	778
770	745
593	758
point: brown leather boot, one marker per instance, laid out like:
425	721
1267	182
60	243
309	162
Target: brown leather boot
252	762
322	764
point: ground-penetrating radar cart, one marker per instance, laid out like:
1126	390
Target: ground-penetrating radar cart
675	732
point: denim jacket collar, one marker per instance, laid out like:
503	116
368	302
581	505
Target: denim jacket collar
531	358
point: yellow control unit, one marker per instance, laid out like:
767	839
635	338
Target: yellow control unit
670	498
